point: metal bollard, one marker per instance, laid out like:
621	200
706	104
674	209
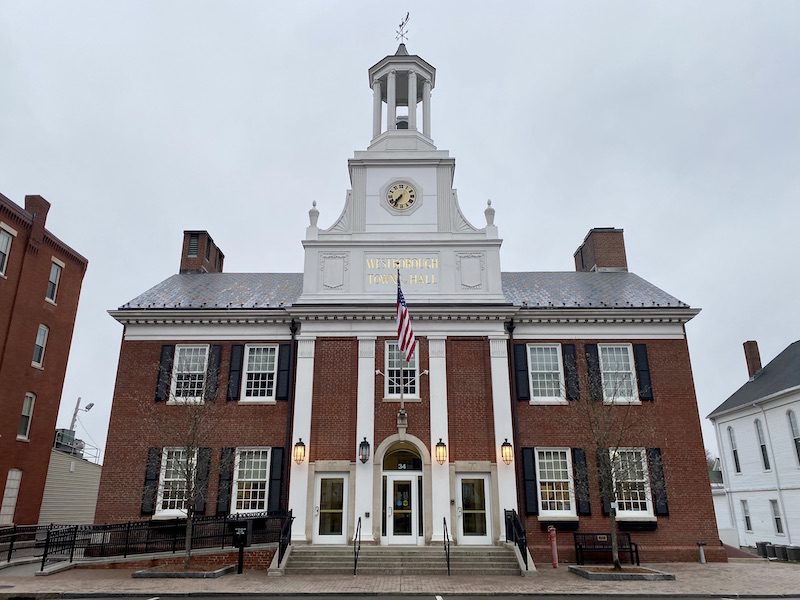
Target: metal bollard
551	537
700	545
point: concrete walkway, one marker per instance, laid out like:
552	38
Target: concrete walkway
744	577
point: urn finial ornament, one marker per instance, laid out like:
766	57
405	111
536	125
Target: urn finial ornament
489	212
313	214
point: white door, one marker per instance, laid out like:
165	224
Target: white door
402	509
330	508
474	517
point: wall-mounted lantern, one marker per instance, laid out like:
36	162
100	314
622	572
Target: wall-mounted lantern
507	452
299	451
441	452
363	451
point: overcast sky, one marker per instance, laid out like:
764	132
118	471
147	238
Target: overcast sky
677	121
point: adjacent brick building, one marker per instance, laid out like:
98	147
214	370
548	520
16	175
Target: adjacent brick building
40	283
316	410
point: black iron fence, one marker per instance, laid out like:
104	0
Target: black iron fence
57	543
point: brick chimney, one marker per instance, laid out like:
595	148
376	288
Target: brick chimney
38	207
753	357
200	254
603	249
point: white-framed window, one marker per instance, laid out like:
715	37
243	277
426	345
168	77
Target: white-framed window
189	373
776	517
618	373
52	282
260	373
177	469
250	480
762	442
9	506
556	486
5	250
24	428
631	482
734	450
546	373
400	375
794	433
748	525
39	345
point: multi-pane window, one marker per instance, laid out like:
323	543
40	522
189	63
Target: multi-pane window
734	450
251	483
24	428
616	366
258	380
631	482
556	491
39	346
748	525
52	281
546	372
177	470
762	442
5	250
189	373
776	516
794	432
401	375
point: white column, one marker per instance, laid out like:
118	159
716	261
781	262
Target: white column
365	428
440	474
391	102
501	404
426	108
377	107
301	428
412	100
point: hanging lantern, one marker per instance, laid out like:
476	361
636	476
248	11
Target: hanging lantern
299	451
507	452
441	452
363	451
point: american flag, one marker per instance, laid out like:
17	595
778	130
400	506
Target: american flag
405	333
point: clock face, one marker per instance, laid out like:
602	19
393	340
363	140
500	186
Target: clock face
401	195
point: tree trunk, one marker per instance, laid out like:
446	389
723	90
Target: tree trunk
612	518
187	559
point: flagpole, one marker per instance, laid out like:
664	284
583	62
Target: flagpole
402	382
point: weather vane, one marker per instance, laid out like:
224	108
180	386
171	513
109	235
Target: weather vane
402	33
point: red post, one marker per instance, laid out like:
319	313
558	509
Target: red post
551	537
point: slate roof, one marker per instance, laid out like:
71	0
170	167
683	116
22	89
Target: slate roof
530	289
781	373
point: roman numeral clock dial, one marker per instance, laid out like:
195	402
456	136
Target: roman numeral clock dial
401	195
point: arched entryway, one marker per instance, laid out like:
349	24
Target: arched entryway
402	521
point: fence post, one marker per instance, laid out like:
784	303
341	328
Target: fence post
11	543
224	528
175	535
46	548
127	538
72	545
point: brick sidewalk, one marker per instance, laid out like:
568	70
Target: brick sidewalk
751	577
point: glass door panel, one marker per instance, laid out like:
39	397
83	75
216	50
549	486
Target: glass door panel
473	510
402	508
331	506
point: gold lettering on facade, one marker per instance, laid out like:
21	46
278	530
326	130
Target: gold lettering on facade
417	271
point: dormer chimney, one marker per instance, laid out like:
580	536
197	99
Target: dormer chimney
603	249
38	207
200	254
753	357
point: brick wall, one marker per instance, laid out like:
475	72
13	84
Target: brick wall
253	559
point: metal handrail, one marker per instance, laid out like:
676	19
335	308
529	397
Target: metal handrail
286	536
356	545
446	545
517	534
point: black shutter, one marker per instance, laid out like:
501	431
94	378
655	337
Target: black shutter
595	377
164	372
151	476
284	359
656	467
521	372
529	475
642	372
212	373
570	371
275	479
201	480
226	463
581	476
605	477
235	373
